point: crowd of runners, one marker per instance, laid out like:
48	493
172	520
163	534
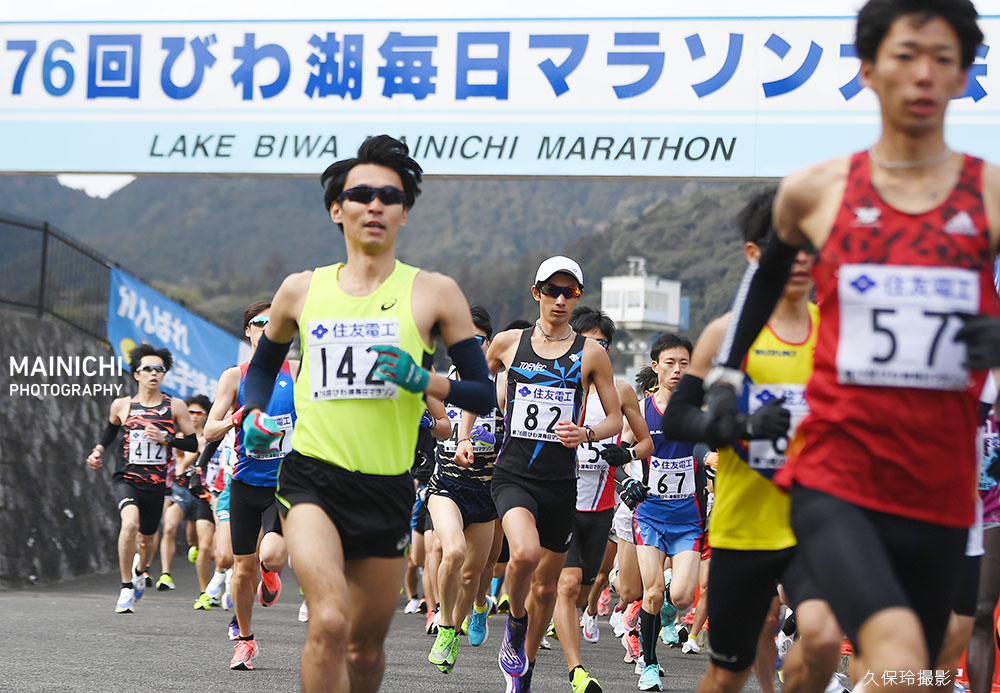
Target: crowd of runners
807	473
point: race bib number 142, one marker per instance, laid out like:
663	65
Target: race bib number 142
340	364
898	325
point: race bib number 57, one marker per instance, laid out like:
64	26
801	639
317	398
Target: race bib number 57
340	364
898	325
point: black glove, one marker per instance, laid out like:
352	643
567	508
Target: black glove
725	422
615	455
981	334
633	492
769	422
992	464
195	484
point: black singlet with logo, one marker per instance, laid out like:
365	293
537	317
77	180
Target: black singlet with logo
144	462
540	393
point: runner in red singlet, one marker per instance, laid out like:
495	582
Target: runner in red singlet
882	471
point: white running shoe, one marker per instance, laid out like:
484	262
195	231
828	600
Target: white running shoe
617	622
126	601
591	632
303	612
412	606
691	646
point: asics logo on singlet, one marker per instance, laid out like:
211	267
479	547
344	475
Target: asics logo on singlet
388	304
319	332
531	367
961	224
867	216
863	283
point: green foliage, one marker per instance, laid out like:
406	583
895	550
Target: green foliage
219	243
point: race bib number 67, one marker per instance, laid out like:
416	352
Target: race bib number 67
898	325
340	364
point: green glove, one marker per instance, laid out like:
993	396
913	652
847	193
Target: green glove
261	434
397	366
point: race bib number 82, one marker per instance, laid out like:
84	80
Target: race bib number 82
898	325
537	409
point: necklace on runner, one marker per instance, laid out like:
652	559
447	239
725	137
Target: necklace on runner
538	324
890	165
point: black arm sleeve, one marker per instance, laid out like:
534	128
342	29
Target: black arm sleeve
109	434
207	453
188	444
264	368
759	293
683	418
475	391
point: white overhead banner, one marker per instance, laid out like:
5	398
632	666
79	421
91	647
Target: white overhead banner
636	89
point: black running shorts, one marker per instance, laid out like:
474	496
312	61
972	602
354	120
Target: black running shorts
864	561
590	542
742	585
551	502
968	589
148	500
473	501
371	512
251	508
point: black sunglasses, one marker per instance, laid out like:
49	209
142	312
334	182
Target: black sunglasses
389	195
152	369
554	291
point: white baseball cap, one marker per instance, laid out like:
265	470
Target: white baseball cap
558	263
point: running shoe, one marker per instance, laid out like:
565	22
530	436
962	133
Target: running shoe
631	619
784	644
422	608
165	583
126	601
668	612
630	641
214	601
591	633
269	588
303	612
203	602
650	678
192	554
149	580
432	622
234	629
503	605
545	644
668	634
604	602
613	579
139	585
445	650
551	632
617	622
841	684
583	682
513	659
412	606
493	603
479	630
691	646
465	626
244	653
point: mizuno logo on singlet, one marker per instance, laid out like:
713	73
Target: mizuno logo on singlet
388	304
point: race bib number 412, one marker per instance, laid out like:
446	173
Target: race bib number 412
898	325
340	364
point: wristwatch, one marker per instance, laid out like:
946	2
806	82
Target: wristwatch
590	434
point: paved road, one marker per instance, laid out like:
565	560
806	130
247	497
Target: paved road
68	638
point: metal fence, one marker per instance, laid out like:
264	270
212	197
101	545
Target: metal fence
44	271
